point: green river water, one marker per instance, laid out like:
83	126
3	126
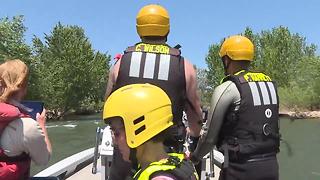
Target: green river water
298	159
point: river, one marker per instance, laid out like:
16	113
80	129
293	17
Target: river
298	156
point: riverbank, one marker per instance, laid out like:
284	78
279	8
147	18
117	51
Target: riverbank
55	115
300	114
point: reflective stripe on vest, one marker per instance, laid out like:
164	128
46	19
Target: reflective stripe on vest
149	66
254	126
154	64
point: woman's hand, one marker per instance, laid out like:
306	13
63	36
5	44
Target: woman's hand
41	118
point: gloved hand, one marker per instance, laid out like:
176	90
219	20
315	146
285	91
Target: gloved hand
194	159
193	142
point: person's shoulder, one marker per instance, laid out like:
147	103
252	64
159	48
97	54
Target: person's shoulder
187	61
188	66
30	126
131	48
16	124
8	112
225	85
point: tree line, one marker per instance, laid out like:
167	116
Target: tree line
65	71
285	57
69	75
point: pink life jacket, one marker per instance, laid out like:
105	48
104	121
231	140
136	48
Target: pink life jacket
8	113
18	167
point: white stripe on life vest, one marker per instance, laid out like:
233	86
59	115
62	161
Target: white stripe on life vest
164	67
149	65
255	94
264	92
135	64
272	92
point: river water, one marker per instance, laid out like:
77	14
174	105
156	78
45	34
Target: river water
298	156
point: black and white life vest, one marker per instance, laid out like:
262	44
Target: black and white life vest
157	64
252	129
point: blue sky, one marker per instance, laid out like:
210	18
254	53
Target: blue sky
110	25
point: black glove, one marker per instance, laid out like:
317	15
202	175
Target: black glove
193	142
194	159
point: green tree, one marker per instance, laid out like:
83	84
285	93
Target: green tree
287	58
13	46
98	78
280	51
205	91
12	42
303	92
277	52
71	73
215	67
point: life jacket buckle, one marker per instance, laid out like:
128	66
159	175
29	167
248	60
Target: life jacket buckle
267	130
173	160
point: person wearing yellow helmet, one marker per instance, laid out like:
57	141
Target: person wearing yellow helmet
243	119
155	62
139	129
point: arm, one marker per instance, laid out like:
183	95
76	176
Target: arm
113	75
36	140
25	135
193	108
223	96
41	118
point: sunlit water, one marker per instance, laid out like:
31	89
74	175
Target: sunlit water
298	158
69	137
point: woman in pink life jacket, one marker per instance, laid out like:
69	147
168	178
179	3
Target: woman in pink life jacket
22	139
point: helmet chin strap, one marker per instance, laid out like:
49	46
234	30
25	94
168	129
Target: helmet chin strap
133	159
226	66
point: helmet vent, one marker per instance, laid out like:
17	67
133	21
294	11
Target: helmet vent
138	131
138	120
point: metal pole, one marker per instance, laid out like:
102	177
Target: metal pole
96	150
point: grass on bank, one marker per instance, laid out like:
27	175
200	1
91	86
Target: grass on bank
299	99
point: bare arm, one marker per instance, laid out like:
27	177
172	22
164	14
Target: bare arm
223	96
36	140
113	75
193	108
41	118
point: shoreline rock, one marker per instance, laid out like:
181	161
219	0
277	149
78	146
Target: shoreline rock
300	115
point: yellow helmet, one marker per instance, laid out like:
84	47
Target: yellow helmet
144	108
237	48
153	20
